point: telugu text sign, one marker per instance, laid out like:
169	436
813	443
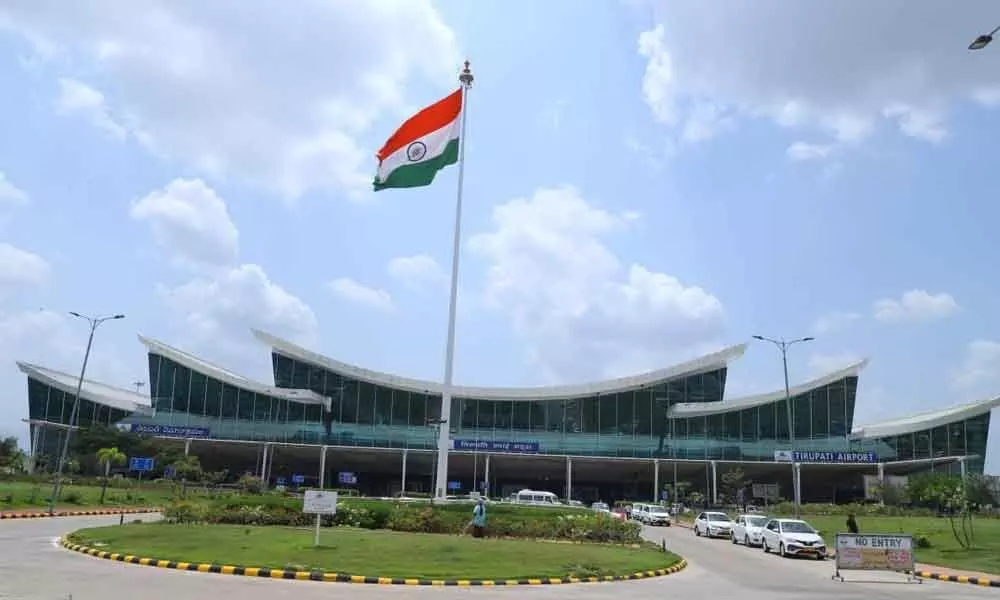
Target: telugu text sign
871	552
495	446
170	430
317	502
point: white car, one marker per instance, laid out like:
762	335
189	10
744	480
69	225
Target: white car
638	512
713	524
749	529
656	515
792	537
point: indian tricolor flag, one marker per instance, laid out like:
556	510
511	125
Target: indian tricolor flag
426	143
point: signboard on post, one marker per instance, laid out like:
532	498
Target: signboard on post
298	479
319	503
874	552
347	478
142	464
765	491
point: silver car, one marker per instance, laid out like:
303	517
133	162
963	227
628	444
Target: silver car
713	524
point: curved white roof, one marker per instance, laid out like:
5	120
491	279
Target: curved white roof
98	393
698	409
925	420
704	364
226	376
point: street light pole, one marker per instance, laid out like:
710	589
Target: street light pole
94	323
984	40
438	423
783	345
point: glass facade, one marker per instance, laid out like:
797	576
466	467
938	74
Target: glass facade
631	423
823	419
626	424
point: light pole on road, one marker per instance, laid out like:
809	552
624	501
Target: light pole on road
983	40
95	322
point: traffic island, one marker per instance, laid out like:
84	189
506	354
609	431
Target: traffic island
363	556
38	514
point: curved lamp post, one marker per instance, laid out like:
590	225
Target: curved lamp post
983	40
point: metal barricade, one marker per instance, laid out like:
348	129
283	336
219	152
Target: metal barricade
874	552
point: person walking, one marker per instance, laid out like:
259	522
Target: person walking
479	519
852	524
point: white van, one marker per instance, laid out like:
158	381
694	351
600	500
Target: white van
535	498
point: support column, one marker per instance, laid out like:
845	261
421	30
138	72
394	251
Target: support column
962	467
569	479
881	484
675	499
656	480
797	486
486	476
715	484
263	463
187	447
322	467
402	481
36	432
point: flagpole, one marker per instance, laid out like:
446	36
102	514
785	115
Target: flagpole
444	429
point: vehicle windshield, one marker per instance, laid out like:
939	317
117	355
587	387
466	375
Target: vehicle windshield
719	517
756	521
796	527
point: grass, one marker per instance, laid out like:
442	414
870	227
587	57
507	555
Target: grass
28	496
372	553
944	550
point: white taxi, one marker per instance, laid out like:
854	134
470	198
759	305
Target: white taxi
713	524
749	529
792	537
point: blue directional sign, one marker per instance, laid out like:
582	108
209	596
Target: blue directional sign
347	478
141	464
454	485
298	479
280	481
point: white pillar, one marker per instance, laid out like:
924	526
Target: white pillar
569	479
656	480
263	463
443	447
187	447
961	467
715	484
402	482
36	432
674	498
322	467
881	483
797	483
486	477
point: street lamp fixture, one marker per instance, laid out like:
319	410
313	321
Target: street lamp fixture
983	40
94	322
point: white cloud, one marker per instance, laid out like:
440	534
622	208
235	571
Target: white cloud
198	83
220	309
981	366
20	267
79	99
581	312
915	305
350	290
823	364
835	321
10	194
191	221
768	59
417	271
803	151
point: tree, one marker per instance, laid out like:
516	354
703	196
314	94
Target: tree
729	482
187	468
12	458
949	494
107	457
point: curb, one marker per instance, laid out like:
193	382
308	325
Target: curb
345	578
79	513
980	581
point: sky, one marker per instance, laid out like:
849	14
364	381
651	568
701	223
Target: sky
646	181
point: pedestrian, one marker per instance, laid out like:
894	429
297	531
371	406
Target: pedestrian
852	524
479	519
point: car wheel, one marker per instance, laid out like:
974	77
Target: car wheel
746	541
820	557
763	546
732	537
697	532
781	549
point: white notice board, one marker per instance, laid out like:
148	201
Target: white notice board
873	552
317	502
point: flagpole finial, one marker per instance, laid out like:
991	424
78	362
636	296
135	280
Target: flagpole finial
466	77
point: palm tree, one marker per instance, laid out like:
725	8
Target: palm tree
107	456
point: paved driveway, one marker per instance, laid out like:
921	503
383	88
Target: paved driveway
34	567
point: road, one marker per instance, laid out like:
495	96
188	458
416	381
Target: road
34	567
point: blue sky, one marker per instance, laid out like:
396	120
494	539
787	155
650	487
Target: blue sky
646	182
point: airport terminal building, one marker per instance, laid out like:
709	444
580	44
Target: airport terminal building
627	438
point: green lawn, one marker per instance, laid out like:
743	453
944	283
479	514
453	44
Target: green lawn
26	496
372	553
944	551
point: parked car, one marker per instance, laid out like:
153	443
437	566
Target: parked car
638	512
749	529
713	524
600	507
792	537
656	515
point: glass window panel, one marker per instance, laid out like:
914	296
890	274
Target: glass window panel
820	414
838	416
555	412
922	444
229	402
418	410
366	403
939	441
522	416
349	402
956	438
643	412
608	414
766	420
213	397
626	413
538	422
470	408
383	405
976	429
246	405
748	424
282	370
400	407
591	412
196	394
732	430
